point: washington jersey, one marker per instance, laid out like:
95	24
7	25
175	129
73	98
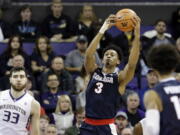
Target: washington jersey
14	113
102	95
169	92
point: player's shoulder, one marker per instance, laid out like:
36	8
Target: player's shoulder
4	91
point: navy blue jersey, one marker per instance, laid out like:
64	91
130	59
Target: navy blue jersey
102	95
169	91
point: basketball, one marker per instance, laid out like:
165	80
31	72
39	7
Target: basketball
124	22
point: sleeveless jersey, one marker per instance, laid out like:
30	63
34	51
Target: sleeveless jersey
102	95
14	113
169	91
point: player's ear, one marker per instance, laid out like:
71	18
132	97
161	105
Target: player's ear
10	79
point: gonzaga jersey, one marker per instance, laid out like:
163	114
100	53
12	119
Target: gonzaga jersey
102	95
14	113
169	91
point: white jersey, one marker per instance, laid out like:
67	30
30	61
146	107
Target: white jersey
14	113
144	126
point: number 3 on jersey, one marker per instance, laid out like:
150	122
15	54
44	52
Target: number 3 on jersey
98	89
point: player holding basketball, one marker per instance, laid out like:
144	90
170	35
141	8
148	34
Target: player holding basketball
165	97
105	84
17	105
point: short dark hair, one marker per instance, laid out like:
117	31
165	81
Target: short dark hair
17	69
160	20
163	58
115	48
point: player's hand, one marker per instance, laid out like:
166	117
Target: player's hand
136	22
109	22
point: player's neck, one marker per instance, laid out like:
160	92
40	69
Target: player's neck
162	77
17	94
108	70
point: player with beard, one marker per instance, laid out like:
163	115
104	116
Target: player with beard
17	105
106	85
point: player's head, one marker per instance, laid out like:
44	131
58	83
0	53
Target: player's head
112	55
18	78
163	58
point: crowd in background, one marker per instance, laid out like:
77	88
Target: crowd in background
59	82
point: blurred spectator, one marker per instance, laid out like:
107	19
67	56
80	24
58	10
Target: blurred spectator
63	116
75	58
121	121
44	122
127	131
17	61
5	30
64	77
152	80
178	48
58	26
80	115
25	26
51	129
41	57
87	21
50	98
14	48
176	23
81	83
134	114
158	38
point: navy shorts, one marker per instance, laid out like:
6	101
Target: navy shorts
87	129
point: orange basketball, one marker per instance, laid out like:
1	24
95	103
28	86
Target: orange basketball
123	21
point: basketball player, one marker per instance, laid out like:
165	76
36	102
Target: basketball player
106	84
165	97
16	107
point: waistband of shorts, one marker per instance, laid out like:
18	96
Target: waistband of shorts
98	121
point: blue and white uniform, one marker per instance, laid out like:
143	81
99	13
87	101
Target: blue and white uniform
169	92
101	104
14	113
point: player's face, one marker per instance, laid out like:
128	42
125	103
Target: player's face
18	80
111	58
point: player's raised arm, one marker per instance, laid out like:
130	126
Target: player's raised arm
35	118
89	64
128	73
